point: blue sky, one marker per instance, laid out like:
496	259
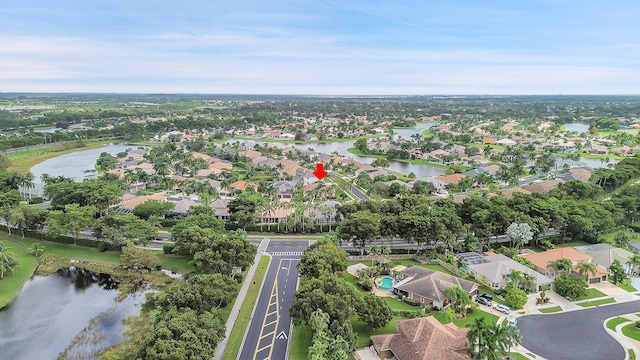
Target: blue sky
330	47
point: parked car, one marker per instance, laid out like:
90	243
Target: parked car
502	308
512	321
486	296
483	301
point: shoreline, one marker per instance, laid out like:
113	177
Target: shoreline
422	162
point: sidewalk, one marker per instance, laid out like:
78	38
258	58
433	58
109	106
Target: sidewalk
233	316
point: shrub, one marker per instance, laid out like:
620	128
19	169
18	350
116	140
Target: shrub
638	324
168	248
411	302
36	200
102	247
546	245
238	277
515	298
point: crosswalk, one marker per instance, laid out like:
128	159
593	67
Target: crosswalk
286	253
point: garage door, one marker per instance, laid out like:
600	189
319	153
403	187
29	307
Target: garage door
594	280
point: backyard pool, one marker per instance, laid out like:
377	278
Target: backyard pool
386	283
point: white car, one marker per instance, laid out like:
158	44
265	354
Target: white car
502	308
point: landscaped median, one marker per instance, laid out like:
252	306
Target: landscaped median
244	317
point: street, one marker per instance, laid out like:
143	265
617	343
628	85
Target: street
270	328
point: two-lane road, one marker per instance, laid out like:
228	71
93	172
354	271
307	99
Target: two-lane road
270	328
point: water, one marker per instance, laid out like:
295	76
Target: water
386	284
577	127
598	163
341	149
75	164
50	311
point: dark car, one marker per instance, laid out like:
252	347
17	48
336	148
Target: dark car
483	301
486	296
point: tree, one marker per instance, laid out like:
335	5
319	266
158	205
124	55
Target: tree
224	252
561	266
7	261
459	300
487	341
243	208
622	239
202	292
515	298
334	295
634	262
9	201
360	227
119	228
380	162
72	220
519	234
585	268
374	311
570	287
322	258
133	257
618	275
183	334
158	209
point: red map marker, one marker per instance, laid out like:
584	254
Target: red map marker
320	173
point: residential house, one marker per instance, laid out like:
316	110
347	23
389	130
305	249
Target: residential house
541	261
508	193
506	142
494	267
284	189
423	338
428	286
243	185
599	149
542	187
451	179
275	215
221	209
131	201
604	255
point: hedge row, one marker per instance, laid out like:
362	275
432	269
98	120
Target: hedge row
69	240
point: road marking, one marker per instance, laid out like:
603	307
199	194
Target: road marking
282	336
286	253
274	294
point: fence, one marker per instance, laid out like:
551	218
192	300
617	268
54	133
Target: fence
375	257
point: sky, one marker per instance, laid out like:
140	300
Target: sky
321	47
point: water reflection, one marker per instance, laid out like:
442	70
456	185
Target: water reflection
50	312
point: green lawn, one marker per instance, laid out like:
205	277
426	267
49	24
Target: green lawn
396	304
572	244
300	342
597	302
240	327
550	310
461	323
611	324
518	356
631	331
632	354
591	294
11	284
625	285
365	333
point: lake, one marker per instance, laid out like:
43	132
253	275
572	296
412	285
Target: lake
577	127
50	312
75	164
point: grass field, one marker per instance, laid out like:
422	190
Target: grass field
611	324
24	161
300	342
11	284
597	302
461	323
591	294
631	331
244	317
550	310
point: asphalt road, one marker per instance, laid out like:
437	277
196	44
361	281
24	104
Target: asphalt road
270	328
575	335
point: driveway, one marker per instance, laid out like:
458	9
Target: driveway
575	335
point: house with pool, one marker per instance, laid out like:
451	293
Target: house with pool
428	286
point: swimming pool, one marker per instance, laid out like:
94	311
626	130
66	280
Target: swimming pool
386	283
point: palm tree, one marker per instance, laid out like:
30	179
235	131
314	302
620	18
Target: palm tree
459	300
562	266
586	267
7	261
515	277
634	261
36	249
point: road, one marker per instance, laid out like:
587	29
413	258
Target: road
270	328
575	335
359	194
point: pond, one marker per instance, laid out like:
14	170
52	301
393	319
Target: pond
75	164
577	127
398	166
72	311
